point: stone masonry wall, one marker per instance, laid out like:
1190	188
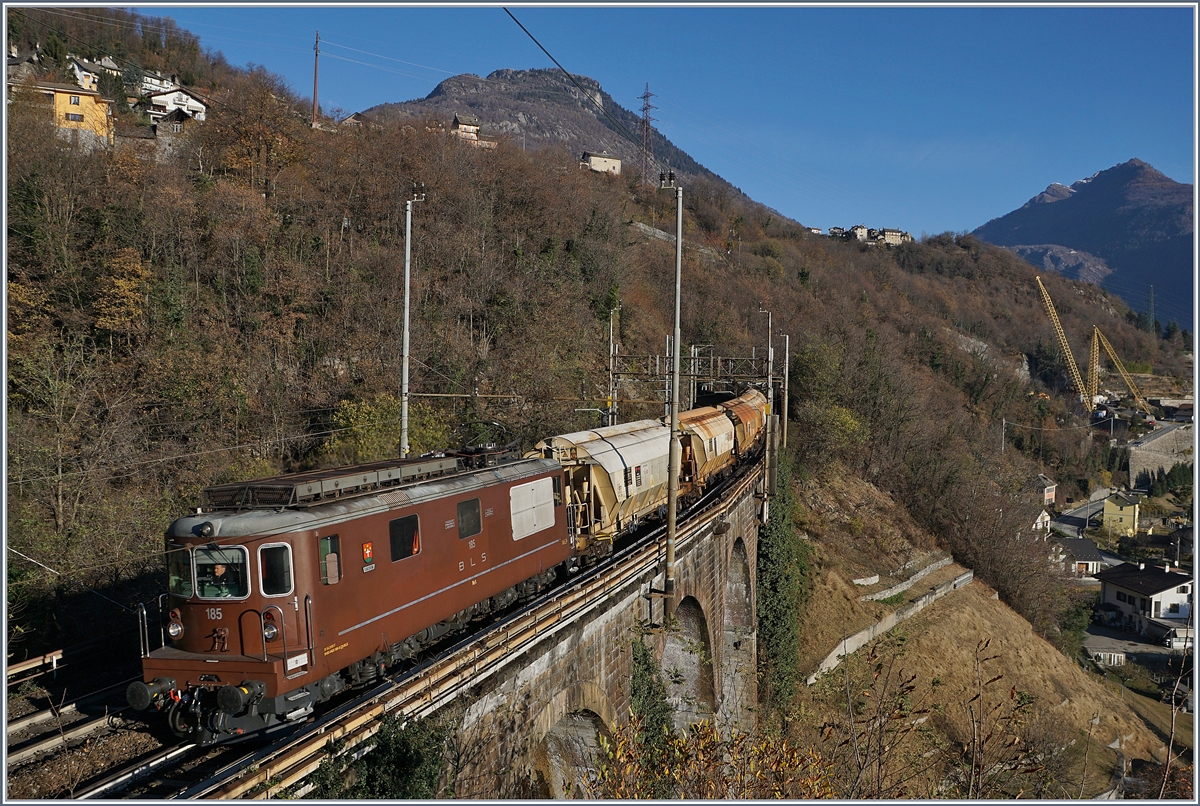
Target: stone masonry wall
1162	452
587	667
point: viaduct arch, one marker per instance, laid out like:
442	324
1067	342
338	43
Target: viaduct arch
526	728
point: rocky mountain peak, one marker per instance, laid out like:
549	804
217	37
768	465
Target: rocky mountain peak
1133	223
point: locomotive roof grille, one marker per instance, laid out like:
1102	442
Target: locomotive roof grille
315	487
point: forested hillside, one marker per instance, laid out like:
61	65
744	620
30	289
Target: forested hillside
236	311
135	41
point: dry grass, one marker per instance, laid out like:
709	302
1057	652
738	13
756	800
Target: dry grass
939	643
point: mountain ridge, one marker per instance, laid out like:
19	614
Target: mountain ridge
1132	217
542	107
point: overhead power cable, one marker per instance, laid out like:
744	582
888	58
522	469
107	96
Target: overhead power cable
66	576
1010	423
620	128
389	58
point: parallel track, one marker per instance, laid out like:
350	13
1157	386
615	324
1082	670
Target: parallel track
52	727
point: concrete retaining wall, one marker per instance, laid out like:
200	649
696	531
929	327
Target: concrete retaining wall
863	637
903	586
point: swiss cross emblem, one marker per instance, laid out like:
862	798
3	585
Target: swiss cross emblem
368	554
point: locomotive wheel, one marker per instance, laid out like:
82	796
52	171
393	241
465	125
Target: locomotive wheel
177	721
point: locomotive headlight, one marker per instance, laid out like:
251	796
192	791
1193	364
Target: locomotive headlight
174	629
270	631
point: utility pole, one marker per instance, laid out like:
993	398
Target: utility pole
316	59
408	206
1003	425
666	181
612	358
770	364
787	361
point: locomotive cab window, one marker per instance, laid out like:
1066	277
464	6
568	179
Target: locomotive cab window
469	521
275	569
221	572
329	552
179	572
405	538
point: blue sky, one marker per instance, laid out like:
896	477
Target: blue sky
926	119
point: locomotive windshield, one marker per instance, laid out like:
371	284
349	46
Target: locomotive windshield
222	572
179	571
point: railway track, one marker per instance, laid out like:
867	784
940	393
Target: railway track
426	689
187	771
45	731
161	760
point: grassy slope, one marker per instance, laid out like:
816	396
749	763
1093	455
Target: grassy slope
940	642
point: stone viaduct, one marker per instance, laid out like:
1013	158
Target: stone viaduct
525	729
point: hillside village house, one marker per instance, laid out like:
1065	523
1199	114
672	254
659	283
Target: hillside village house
21	65
894	237
159	104
1042	522
78	114
154	83
87	74
357	121
466	127
1077	556
1121	513
1149	599
601	163
1047	490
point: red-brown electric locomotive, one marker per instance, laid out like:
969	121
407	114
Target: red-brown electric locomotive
283	591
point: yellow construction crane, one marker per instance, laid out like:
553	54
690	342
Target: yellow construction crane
1094	370
1085	395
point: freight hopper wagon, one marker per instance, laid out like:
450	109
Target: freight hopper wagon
707	437
284	591
748	413
614	476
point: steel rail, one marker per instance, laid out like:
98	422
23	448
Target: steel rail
54	741
21	723
482	655
132	774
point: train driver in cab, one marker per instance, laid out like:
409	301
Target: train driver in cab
222	581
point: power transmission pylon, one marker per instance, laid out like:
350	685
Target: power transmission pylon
316	61
647	165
